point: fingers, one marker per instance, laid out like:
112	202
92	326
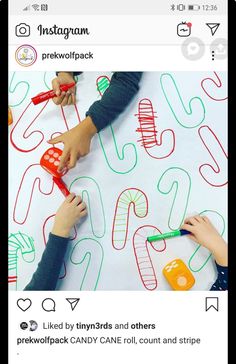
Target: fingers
73	98
82	207
77	200
70	197
73	160
69	102
65	99
64	159
56	86
83	213
188	227
198	218
194	220
205	218
55	140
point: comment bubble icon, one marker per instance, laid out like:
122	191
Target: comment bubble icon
49	305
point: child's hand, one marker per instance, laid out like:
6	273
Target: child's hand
68	214
63	98
203	232
76	143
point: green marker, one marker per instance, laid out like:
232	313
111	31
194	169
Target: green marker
171	234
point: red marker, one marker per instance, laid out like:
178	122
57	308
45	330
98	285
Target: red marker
50	162
44	96
61	186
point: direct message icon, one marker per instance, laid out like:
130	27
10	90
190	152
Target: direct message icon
24	304
73	302
49	305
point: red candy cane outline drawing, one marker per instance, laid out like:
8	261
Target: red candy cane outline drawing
146	117
130	196
32	173
181	194
64	115
142	256
218	150
85	248
23	243
18	129
20	125
217	89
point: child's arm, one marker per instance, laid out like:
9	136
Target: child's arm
122	88
204	233
46	276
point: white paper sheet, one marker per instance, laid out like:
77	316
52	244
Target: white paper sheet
132	191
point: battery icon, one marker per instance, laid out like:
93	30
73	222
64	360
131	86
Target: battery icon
194	7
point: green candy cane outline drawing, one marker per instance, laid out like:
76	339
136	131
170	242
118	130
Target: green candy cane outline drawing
83	192
174	93
199	246
177	182
102	84
11	91
80	252
23	243
90	245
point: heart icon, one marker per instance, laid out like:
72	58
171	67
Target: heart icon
24	304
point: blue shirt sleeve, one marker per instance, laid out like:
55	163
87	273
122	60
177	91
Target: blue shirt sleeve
221	284
46	276
122	88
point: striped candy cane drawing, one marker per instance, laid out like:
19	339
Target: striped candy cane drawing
119	162
214	88
129	197
89	252
103	83
142	256
19	242
34	176
178	180
147	128
188	117
201	255
215	176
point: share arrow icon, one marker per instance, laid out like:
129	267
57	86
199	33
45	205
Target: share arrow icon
213	27
73	302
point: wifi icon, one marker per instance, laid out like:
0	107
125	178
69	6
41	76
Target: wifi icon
36	7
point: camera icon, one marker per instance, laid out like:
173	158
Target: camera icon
22	30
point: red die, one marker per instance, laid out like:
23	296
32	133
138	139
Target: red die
50	161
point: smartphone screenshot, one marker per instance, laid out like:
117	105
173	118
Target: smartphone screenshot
118	180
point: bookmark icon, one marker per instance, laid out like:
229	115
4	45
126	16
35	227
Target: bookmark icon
73	302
